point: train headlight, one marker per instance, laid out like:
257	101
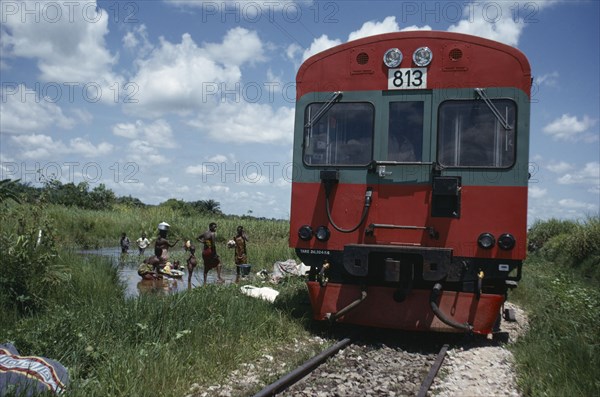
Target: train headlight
392	57
422	56
322	233
506	241
486	240
305	232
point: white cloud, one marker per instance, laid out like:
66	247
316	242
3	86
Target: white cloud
148	141
537	192
415	27
83	115
571	128
201	169
126	130
247	123
157	134
372	28
141	152
183	78
560	167
66	38
250	11
369	28
318	45
130	41
588	175
549	79
292	51
218	158
239	46
23	111
87	149
137	40
39	146
577	205
499	21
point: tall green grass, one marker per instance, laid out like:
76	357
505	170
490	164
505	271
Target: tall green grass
155	344
83	228
560	355
77	311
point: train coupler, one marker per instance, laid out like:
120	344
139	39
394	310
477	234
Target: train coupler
322	277
332	317
435	294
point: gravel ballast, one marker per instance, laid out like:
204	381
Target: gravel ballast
474	366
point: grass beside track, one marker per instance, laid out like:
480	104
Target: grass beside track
560	355
154	344
72	308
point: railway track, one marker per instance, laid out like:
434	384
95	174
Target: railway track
356	367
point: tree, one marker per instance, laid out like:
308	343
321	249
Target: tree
8	190
211	206
101	198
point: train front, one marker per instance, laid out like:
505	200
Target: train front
409	194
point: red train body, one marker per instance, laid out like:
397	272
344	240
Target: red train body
409	191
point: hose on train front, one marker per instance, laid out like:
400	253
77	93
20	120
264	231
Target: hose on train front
435	294
368	195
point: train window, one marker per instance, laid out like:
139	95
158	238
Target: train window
405	132
343	135
470	135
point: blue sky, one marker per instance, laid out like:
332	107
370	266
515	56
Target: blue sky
194	100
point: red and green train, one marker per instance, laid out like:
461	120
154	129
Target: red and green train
409	190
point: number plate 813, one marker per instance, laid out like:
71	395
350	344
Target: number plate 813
407	79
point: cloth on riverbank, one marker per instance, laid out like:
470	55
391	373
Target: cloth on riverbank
29	375
266	293
288	268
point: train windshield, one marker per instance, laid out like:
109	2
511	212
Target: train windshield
405	132
341	136
470	135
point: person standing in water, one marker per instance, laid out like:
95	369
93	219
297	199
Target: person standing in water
209	253
192	262
241	255
124	242
142	244
162	242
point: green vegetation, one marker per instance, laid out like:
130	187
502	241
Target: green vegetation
60	304
57	303
560	355
133	347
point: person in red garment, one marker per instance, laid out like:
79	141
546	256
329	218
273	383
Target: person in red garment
209	253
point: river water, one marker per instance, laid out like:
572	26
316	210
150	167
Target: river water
127	266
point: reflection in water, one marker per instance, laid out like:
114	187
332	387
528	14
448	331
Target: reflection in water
128	264
159	286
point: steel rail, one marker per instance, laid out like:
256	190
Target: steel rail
433	372
295	375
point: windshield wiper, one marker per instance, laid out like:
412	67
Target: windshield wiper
493	108
323	109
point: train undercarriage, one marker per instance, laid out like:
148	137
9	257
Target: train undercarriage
410	288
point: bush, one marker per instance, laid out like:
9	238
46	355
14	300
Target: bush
542	231
28	269
584	240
